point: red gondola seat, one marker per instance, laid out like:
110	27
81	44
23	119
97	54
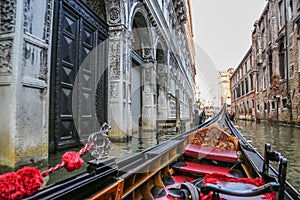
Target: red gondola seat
211	153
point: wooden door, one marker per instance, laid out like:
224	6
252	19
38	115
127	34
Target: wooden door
77	33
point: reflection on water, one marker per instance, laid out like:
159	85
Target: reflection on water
283	139
139	144
136	145
120	150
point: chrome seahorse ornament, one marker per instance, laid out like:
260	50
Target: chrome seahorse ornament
102	144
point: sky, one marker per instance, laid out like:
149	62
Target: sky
222	36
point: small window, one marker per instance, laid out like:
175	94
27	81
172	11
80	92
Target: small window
291	9
292	70
265	106
273	105
264	78
281	61
263	38
257	82
270	70
284	102
281	13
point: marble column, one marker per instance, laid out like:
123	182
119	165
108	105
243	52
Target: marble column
162	110
119	64
149	97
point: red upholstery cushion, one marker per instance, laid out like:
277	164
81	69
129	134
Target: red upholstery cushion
204	169
211	153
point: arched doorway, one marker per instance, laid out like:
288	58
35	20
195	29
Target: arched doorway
142	99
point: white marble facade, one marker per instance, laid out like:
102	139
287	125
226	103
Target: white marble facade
150	72
25	37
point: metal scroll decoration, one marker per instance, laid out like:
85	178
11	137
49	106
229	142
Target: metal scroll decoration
102	144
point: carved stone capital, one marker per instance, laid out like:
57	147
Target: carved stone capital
7	16
147	53
5	56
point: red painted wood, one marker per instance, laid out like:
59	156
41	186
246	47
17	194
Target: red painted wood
204	169
211	153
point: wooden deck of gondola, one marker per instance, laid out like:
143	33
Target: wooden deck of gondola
153	167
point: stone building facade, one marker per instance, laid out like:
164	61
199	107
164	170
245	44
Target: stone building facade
243	88
275	67
224	90
66	66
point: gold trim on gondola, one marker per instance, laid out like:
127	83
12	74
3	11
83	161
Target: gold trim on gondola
213	136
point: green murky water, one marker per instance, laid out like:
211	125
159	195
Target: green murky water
283	139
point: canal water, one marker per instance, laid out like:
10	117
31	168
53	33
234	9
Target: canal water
284	139
120	150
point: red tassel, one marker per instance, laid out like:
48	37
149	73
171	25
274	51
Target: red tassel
72	161
28	180
11	186
31	179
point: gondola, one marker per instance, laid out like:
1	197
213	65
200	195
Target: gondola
212	161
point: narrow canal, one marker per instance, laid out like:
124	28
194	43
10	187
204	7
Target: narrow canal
283	139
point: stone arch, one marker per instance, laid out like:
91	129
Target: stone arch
140	35
142	75
138	8
141	31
